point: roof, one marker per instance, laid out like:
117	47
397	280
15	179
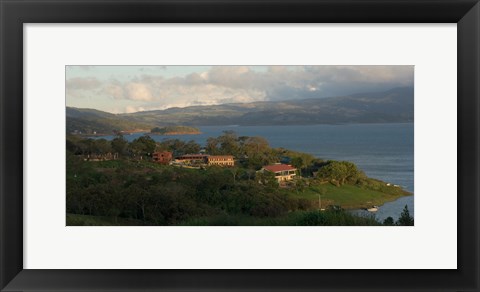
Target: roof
279	167
193	156
221	156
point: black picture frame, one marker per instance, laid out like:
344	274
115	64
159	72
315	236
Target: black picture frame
14	13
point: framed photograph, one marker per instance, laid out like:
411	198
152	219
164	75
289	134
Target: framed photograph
278	145
240	145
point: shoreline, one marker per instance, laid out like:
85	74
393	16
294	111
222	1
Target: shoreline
363	208
125	133
175	133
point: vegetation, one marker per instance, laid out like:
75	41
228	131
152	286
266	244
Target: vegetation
340	172
405	218
173	130
350	196
102	125
130	189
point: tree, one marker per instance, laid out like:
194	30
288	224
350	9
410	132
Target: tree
87	146
388	221
141	146
339	172
253	146
234	171
191	147
212	145
300	184
73	145
119	144
266	178
102	146
333	171
351	171
175	145
302	160
255	151
228	143
405	218
297	162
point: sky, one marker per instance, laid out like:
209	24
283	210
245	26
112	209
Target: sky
127	89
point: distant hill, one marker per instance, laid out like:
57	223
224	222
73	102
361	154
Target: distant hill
395	105
90	121
86	113
392	106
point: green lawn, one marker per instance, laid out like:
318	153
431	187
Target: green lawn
346	196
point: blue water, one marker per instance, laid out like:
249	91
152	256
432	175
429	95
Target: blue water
383	151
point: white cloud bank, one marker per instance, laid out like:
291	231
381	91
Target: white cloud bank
232	84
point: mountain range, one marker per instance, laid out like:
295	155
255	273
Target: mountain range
392	106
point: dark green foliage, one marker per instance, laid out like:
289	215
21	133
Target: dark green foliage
297	162
164	195
250	152
388	221
339	172
142	146
119	144
102	146
266	178
405	218
179	147
334	218
228	143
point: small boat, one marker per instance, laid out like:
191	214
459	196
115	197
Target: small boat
373	209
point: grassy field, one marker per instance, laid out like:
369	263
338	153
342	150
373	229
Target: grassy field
348	196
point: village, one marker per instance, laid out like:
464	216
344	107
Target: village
230	181
282	172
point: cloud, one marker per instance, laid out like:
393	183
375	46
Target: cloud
114	90
83	83
82	87
81	67
195	79
138	91
239	84
151	68
132	109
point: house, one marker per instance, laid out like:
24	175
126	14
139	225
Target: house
221	160
192	158
283	172
162	157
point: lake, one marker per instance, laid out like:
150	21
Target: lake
383	151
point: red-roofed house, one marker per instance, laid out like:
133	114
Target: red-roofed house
283	172
162	157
